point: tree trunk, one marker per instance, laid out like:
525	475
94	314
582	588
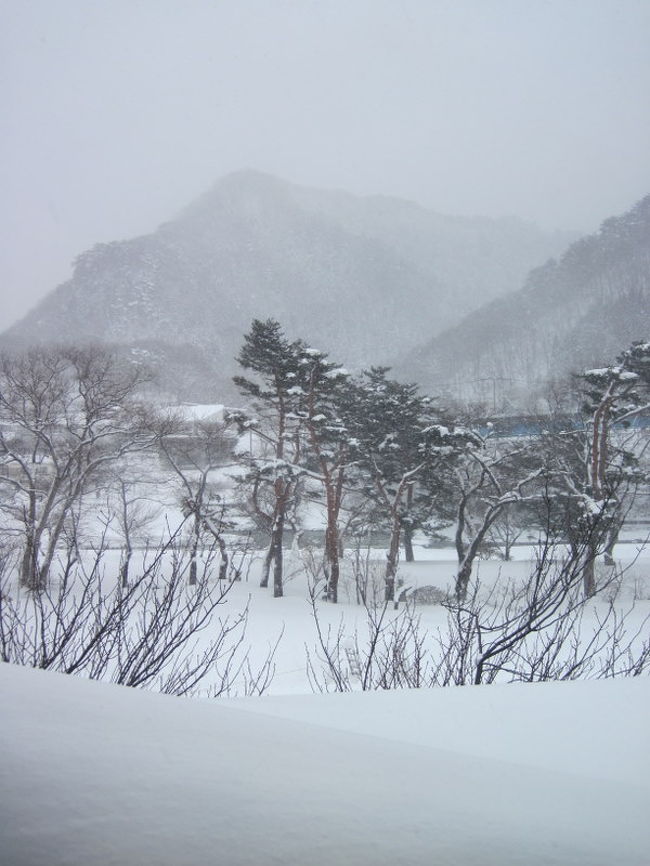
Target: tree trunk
408	544
266	567
467	562
462	580
589	571
30	576
223	566
459	540
55	532
392	559
124	570
333	494
194	551
277	555
126	529
612	540
408	526
28	564
28	568
334	567
275	552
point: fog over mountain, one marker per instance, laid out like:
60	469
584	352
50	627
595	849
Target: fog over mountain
576	312
115	115
364	278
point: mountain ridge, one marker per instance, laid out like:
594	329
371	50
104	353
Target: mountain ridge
578	311
362	277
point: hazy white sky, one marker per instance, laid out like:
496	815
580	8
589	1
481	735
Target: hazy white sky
114	114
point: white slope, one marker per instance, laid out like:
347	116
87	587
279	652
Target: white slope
100	774
592	728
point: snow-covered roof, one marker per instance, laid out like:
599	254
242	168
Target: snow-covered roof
200	411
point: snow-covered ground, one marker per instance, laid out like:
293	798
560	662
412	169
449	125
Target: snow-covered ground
100	775
553	773
435	567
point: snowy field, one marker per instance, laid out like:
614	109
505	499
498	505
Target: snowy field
286	627
292	616
556	773
548	773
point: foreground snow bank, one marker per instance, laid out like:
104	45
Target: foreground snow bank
100	774
599	729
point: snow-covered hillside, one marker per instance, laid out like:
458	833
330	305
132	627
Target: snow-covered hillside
365	278
570	314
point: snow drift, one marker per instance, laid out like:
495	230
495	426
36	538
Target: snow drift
101	774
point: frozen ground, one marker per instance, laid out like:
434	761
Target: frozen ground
434	567
491	776
553	773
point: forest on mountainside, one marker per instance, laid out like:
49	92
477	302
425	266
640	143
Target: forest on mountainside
572	313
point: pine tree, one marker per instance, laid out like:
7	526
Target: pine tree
390	432
274	464
613	395
322	385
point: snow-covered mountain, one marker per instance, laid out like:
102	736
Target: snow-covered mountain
579	311
362	278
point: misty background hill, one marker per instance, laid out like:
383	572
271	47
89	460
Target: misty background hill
364	278
573	313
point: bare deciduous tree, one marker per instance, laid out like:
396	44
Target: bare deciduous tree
157	633
130	507
489	481
66	415
543	628
195	452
